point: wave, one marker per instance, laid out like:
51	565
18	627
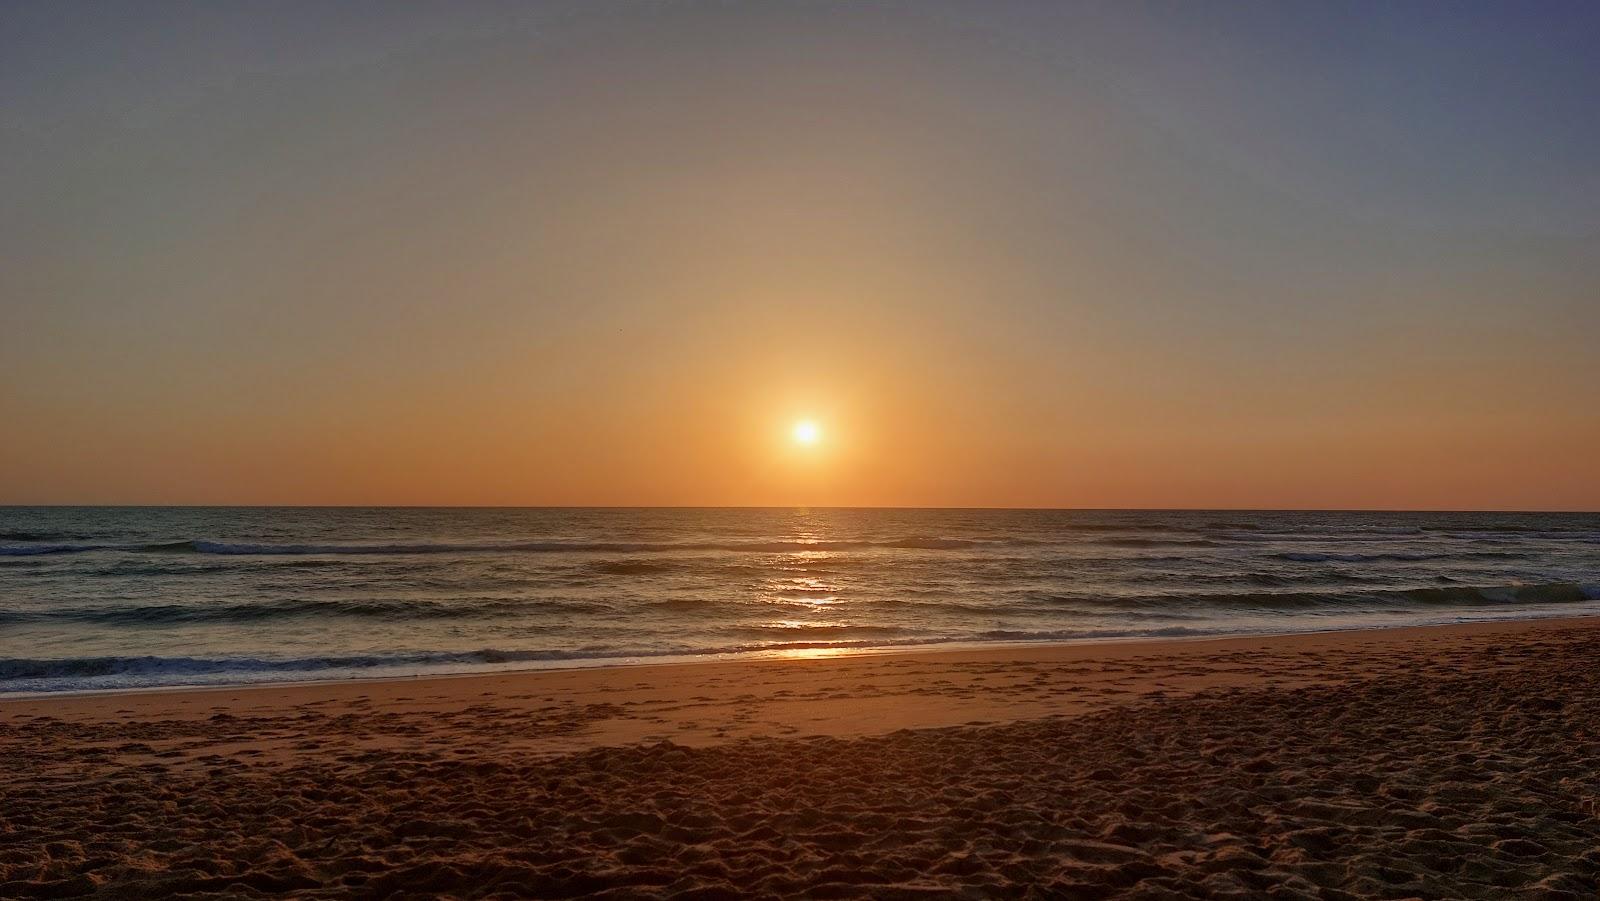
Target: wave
1392	556
1566	536
1452	533
391	610
834	630
15	535
1302	576
45	674
35	550
1178	603
1550	593
1157	542
19	674
198	546
1353	600
1546	528
1083	634
22	668
199	566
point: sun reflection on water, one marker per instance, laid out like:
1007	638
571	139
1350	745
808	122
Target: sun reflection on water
802	597
820	653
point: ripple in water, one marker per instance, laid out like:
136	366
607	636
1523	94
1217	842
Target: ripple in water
123	597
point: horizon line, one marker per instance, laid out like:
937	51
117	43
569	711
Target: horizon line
1042	509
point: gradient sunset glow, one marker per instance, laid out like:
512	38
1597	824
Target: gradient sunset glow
1115	255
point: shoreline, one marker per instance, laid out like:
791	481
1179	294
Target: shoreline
845	695
833	652
1435	761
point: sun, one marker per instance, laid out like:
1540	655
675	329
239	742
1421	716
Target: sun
806	431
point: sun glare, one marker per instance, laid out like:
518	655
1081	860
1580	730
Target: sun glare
806	432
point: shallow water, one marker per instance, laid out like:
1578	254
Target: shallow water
136	596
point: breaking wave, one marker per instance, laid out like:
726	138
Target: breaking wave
198	546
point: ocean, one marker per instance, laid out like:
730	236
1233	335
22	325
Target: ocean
121	597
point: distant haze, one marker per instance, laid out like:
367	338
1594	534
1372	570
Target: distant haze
1258	255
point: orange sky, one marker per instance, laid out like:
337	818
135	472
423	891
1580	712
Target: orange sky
561	256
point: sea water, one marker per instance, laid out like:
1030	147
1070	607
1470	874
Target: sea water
110	597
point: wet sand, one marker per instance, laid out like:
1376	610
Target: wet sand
1459	761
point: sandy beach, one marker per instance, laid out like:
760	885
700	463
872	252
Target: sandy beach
712	450
1456	761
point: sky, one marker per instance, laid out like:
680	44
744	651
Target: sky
1251	255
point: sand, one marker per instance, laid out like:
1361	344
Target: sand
1459	761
